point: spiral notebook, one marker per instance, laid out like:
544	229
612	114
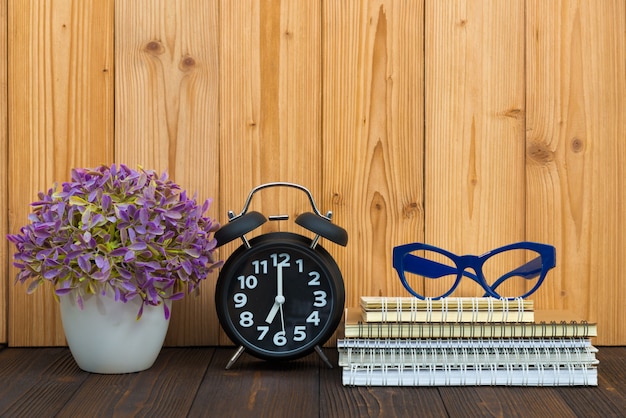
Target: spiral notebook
455	352
398	347
547	324
491	375
410	309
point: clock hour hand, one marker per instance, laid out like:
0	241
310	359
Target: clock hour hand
278	302
279	299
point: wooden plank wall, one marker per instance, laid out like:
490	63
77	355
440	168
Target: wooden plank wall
464	124
60	116
474	121
576	150
167	114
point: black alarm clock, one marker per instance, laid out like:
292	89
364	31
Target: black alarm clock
280	295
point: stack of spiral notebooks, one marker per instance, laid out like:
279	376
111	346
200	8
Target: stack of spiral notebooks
464	342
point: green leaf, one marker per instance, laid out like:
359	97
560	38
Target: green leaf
77	201
91	290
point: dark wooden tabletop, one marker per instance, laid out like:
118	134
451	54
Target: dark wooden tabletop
192	382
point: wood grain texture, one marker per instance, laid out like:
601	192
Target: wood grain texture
462	124
167	117
576	125
41	381
60	116
502	401
143	394
4	158
192	382
373	135
270	106
18	363
259	388
612	379
474	142
338	401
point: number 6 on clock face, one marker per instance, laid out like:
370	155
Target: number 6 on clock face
279	298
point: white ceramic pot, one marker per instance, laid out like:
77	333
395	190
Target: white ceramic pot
106	337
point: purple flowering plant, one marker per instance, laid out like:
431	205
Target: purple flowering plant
116	229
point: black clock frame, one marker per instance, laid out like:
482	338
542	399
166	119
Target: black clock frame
292	244
244	222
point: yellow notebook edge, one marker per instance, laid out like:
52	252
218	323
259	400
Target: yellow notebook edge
381	303
353	317
448	316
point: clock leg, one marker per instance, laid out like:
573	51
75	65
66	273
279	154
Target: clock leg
235	356
320	352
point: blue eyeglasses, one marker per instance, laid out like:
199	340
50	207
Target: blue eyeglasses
520	268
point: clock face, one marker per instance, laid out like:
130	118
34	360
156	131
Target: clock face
280	298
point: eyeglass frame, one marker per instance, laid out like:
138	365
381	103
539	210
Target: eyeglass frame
547	258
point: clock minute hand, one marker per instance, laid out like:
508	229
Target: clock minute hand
279	299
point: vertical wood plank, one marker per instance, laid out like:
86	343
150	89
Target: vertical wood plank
60	81
270	108
576	125
167	117
474	169
4	260
373	135
270	105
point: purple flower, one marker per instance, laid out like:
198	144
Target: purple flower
132	232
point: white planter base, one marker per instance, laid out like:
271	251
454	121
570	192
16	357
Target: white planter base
105	337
